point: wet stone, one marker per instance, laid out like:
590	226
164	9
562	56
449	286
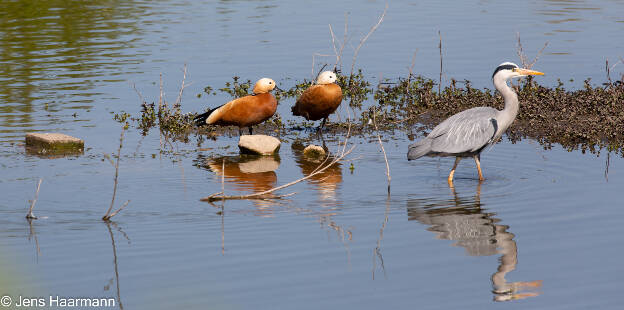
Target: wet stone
313	151
53	144
258	144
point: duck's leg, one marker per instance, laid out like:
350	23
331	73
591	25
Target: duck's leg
250	130
319	130
478	162
450	177
240	131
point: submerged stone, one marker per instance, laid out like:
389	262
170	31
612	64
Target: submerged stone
313	151
53	144
258	144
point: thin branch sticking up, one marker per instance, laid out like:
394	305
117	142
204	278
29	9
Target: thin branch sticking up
524	59
363	40
440	47
409	77
30	214
382	149
108	214
179	99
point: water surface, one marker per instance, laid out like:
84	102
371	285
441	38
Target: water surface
543	222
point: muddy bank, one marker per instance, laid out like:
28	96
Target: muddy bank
590	119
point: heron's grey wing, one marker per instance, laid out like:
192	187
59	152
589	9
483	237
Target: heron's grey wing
467	131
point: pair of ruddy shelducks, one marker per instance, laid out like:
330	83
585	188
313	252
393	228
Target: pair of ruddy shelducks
317	102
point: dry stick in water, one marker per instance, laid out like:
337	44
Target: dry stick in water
523	57
357	49
440	47
409	77
179	99
30	214
382	149
108	214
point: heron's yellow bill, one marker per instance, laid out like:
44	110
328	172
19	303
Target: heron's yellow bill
528	72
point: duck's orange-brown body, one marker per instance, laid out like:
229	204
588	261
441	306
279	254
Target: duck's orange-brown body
245	111
318	102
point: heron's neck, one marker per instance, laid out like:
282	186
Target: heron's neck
508	114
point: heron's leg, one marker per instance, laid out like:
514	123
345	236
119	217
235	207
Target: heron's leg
478	162
450	177
250	131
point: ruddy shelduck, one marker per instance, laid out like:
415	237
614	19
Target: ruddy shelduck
320	100
245	111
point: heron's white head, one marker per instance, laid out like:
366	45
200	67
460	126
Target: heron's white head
264	85
326	77
508	70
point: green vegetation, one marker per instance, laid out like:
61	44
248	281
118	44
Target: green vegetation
590	119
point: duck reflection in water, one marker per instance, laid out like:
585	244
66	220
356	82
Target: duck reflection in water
248	174
464	221
327	182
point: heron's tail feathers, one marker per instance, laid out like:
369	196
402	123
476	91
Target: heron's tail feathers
419	149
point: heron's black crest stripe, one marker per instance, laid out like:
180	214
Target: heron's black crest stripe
503	67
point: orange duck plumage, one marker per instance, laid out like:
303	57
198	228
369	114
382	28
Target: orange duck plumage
320	100
245	111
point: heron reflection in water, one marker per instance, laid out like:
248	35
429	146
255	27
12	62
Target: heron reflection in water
464	221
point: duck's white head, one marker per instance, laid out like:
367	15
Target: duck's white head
326	77
264	85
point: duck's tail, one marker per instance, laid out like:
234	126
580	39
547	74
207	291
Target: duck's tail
419	149
200	120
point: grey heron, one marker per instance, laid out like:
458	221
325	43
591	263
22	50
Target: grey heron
467	133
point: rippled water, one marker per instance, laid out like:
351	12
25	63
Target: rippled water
544	223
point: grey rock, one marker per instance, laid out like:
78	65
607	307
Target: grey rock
258	144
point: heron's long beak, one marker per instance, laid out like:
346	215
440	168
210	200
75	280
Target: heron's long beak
528	72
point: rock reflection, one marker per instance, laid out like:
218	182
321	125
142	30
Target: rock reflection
327	182
248	173
462	220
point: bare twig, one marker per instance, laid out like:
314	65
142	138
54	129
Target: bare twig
331	31
524	59
313	63
363	40
121	208
179	99
30	214
440	47
382	149
409	77
108	214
